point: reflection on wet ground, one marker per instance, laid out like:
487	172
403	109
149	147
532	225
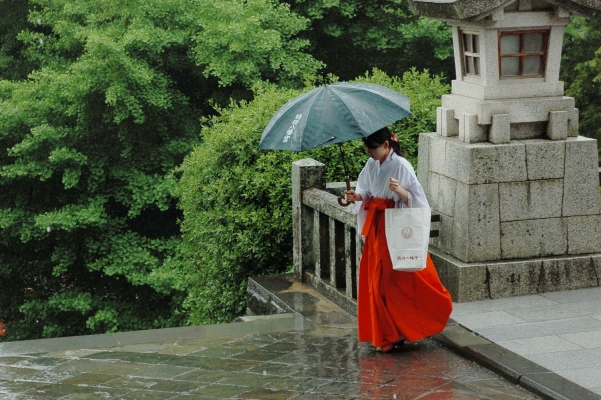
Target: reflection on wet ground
313	354
300	365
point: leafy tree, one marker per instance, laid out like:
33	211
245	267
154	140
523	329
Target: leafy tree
236	198
353	36
90	137
581	70
13	19
244	41
101	100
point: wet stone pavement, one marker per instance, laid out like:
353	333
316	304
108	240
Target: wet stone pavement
310	354
257	366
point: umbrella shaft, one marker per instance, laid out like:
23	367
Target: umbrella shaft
344	164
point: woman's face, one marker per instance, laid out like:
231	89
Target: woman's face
380	152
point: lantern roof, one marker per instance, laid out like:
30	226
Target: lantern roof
478	9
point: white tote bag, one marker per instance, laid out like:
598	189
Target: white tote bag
408	236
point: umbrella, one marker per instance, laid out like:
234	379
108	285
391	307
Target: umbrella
331	114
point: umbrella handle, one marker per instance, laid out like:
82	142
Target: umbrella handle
341	201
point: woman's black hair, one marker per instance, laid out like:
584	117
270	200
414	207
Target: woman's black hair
379	137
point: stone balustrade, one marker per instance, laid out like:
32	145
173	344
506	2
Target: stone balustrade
327	248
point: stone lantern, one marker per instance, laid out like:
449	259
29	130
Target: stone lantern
516	187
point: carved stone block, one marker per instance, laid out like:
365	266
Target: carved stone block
500	129
530	199
306	173
436	156
584	234
465	282
476	223
534	238
433	190
423	161
469	129
573	123
567	273
491	163
446	124
557	129
446	195
581	177
457	160
518	278
545	159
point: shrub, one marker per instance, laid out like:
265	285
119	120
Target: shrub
103	106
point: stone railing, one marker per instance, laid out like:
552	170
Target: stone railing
327	248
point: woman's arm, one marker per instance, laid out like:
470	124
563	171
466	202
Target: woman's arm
401	192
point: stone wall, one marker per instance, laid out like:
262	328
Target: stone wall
516	218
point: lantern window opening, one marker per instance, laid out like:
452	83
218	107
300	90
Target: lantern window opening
523	54
471	53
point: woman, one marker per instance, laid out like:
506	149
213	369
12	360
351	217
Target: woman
393	306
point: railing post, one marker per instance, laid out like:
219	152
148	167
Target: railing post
359	242
337	262
350	262
321	250
306	173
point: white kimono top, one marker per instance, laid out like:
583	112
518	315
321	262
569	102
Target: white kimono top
374	180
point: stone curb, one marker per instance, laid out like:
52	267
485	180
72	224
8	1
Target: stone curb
277	323
511	366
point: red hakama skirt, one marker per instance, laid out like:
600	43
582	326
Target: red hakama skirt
394	305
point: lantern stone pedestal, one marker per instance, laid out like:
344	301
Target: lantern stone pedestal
516	218
516	187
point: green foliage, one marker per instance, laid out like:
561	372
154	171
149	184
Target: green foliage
13	19
248	40
383	34
100	101
90	139
236	198
581	70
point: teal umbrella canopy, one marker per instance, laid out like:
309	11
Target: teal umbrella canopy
331	114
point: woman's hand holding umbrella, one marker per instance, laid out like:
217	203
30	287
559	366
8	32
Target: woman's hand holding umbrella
351	196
